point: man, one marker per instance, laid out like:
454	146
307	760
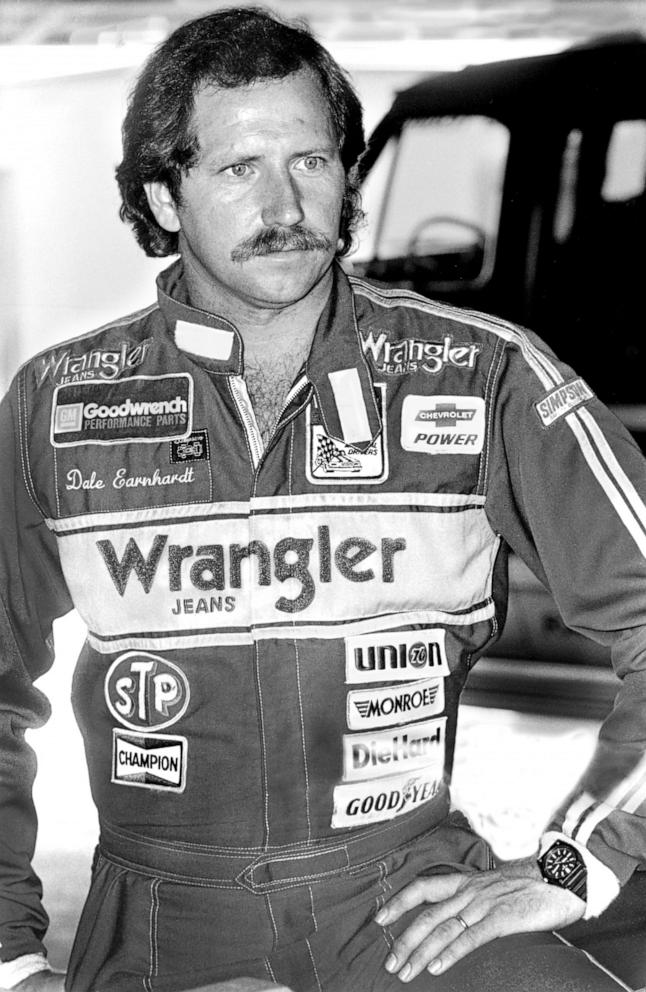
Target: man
287	563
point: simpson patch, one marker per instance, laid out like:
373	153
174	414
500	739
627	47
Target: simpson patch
562	401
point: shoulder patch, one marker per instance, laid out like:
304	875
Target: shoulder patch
562	400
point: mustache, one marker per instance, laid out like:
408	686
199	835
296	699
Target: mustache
273	239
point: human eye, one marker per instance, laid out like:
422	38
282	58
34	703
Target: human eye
311	163
239	170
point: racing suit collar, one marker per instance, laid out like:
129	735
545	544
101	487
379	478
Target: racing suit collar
339	372
336	366
182	319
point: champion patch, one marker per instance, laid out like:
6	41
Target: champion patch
331	461
397	656
562	401
140	408
443	425
359	803
149	761
194	448
367	708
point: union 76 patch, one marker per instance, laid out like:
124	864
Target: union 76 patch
331	461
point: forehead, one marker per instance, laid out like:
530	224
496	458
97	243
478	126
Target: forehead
274	109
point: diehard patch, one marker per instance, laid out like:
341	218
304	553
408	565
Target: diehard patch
397	656
562	401
149	761
194	448
360	803
140	408
372	755
331	461
146	692
396	704
443	425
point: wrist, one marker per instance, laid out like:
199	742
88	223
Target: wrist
602	885
14	973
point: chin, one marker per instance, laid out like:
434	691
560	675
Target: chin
290	280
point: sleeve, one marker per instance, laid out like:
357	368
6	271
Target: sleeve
567	491
32	595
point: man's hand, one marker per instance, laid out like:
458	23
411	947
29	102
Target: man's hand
468	910
41	981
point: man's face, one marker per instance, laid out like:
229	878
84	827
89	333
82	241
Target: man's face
268	166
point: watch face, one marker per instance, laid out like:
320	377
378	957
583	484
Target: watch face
560	861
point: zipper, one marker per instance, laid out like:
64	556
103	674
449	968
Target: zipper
245	409
248	417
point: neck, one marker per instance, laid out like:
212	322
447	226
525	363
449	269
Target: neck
268	333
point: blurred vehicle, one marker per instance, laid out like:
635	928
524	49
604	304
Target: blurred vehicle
519	188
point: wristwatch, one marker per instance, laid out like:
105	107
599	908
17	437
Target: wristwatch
563	865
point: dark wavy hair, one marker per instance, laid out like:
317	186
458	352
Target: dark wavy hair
231	47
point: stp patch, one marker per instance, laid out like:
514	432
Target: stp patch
145	692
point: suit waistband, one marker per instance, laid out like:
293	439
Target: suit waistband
261	871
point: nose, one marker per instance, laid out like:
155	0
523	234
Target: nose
282	201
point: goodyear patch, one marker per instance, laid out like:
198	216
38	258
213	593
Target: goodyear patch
562	401
139	408
360	803
149	761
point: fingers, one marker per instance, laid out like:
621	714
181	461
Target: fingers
437	938
422	890
481	907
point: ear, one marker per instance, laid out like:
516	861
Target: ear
162	205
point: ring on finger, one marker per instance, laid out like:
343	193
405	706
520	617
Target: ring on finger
463	923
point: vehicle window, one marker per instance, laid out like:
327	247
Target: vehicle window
566	202
444	193
625	162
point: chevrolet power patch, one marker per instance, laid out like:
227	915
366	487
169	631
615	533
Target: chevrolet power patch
140	408
443	425
149	761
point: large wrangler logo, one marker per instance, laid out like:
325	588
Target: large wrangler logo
207	567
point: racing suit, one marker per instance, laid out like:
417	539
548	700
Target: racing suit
278	637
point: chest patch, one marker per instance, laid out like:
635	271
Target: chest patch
331	461
140	408
443	425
